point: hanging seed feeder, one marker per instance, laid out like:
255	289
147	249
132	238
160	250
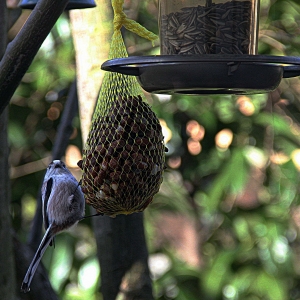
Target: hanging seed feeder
208	47
124	156
72	4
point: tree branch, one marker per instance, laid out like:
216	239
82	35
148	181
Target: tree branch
7	274
3	27
22	50
65	128
123	257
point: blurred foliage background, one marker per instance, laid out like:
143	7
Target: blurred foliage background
225	224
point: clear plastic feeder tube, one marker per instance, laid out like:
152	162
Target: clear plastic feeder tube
208	26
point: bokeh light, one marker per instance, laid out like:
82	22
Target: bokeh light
196	133
53	113
230	292
246	106
73	155
159	264
167	133
29	207
89	274
256	156
51	96
296	158
194	147
279	158
224	138
174	162
280	249
195	130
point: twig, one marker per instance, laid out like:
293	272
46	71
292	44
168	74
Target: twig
141	48
29	168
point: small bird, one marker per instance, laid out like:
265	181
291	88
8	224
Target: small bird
63	206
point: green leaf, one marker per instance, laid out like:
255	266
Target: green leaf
231	179
279	124
269	287
218	273
17	135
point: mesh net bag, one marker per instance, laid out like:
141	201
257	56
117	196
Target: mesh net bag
123	160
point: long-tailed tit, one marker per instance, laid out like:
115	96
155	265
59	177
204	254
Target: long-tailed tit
63	207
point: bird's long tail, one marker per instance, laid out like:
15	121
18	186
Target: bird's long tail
36	260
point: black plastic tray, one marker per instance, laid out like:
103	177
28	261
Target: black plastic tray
207	74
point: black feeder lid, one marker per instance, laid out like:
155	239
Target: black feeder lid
208	73
72	4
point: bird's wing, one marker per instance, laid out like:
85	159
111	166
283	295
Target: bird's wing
76	203
46	196
73	205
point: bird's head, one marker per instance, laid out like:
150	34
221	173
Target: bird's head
56	167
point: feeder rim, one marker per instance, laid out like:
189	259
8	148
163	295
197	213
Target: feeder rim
130	65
